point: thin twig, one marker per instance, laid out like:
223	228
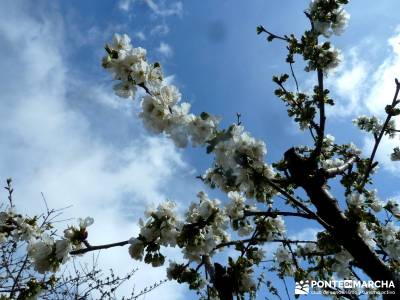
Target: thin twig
99	247
294	77
381	134
252	240
274	214
297	203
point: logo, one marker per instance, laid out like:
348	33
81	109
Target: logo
344	287
302	288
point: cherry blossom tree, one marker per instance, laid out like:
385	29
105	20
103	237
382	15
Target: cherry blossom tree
358	237
33	259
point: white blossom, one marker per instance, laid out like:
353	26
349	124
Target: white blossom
306	249
125	89
341	22
392	243
40	252
341	264
83	223
172	266
3	238
202	129
355	199
328	23
63	247
247	283
136	249
393	206
332	163
166	231
282	255
235	208
366	234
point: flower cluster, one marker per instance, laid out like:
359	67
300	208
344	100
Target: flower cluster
45	252
328	21
239	165
395	155
341	264
374	125
128	65
283	261
235	208
14	226
204	229
161	229
162	111
201	231
393	207
182	273
390	236
238	156
323	56
270	227
358	202
48	254
366	234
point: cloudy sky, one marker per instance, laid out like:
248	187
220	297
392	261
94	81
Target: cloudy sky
65	134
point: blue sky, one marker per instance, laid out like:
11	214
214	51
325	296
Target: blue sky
65	134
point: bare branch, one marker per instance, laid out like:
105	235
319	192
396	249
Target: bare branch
99	247
332	172
274	214
379	138
299	204
257	240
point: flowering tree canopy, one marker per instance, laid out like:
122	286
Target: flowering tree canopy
358	233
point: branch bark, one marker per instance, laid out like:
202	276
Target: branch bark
343	230
90	248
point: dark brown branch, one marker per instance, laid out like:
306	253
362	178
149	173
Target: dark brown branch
99	247
271	35
343	230
297	203
294	77
142	85
381	134
274	214
257	240
322	118
16	280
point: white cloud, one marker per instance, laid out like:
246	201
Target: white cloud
161	29
165	49
125	5
379	95
161	8
140	35
349	83
361	90
48	146
306	234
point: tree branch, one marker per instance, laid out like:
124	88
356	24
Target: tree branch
271	35
322	118
297	203
379	138
99	247
332	172
253	240
274	214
